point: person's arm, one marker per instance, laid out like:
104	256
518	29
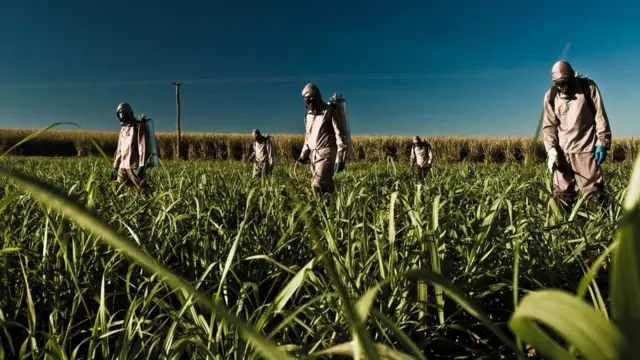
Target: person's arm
413	155
603	128
252	152
549	125
117	158
304	154
430	153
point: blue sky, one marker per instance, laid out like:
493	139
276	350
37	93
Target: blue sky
473	68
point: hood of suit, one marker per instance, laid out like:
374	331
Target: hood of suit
312	96
562	71
126	108
257	135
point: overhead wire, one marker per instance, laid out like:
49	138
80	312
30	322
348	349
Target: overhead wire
260	79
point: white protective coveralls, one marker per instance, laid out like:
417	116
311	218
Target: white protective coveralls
263	154
421	156
572	131
325	142
131	153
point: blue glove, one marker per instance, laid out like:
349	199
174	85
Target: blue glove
140	172
601	154
113	175
338	167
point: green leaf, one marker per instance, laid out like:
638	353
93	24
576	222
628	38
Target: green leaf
633	193
593	270
292	286
467	304
625	272
573	319
349	349
359	332
9	250
392	219
363	305
234	247
404	338
91	223
35	134
7	200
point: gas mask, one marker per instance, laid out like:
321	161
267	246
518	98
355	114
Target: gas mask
563	76
563	86
310	102
123	116
312	97
125	113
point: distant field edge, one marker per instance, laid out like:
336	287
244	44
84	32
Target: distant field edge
229	146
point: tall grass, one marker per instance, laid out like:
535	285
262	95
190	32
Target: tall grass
213	266
237	146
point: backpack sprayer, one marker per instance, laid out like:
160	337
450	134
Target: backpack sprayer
151	136
340	104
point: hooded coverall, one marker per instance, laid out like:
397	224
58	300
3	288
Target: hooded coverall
131	151
263	156
324	144
421	155
574	131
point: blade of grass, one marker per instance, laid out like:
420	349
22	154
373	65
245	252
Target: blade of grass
35	134
359	332
467	304
91	223
625	273
350	349
571	318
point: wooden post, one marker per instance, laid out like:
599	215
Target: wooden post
178	134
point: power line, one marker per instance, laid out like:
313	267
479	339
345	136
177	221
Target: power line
263	79
211	81
299	78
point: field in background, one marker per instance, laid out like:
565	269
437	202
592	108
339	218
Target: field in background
494	231
236	146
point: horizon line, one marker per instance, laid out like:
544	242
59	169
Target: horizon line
227	133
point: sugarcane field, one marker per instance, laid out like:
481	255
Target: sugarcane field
438	267
224	180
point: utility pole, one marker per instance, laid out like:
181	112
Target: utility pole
178	138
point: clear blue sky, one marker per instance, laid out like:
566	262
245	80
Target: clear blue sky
476	68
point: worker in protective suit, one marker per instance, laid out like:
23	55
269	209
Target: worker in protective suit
325	142
576	134
263	154
421	156
130	157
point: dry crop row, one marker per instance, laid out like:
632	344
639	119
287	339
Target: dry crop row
236	146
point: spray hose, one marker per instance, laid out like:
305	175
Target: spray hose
292	171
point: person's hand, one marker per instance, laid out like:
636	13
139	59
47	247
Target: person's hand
301	160
552	160
113	174
140	172
601	154
339	166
